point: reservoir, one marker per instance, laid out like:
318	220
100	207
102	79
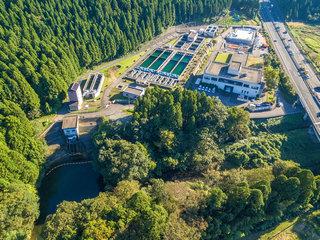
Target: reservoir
67	183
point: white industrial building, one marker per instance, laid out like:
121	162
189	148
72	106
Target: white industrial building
93	85
75	97
133	92
70	128
211	31
242	36
235	77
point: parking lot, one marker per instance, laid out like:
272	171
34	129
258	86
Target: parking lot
230	99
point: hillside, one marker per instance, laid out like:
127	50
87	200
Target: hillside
44	45
301	9
187	167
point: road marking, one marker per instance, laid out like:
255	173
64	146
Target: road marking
283	56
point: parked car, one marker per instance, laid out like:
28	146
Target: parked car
260	107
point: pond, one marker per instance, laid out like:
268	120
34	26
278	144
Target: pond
68	183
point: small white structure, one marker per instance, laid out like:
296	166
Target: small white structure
133	92
192	36
211	31
242	36
75	97
70	128
93	85
235	77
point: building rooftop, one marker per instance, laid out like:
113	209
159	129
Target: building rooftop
70	122
246	74
134	90
236	65
212	28
74	86
244	33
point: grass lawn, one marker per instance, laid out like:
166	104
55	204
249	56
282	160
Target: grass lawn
223	57
235	19
282	231
116	94
256	62
271	97
308	37
284	124
42	123
123	65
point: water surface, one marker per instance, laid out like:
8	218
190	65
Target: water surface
67	183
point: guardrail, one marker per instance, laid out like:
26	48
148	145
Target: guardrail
301	97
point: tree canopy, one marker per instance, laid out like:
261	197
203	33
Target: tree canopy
21	154
301	9
44	45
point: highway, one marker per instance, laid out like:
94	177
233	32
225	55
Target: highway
275	27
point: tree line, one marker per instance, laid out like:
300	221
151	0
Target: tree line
44	45
21	155
301	9
186	167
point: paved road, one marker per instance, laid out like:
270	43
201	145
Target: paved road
169	34
271	19
115	111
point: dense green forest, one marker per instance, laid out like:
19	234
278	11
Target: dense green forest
301	9
45	44
186	167
21	155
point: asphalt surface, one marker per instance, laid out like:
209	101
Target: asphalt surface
275	27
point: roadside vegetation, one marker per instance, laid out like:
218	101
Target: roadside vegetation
303	227
297	146
308	37
276	78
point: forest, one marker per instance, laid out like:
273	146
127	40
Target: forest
21	155
44	46
187	167
301	9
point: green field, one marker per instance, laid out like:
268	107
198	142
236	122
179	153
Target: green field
223	57
299	146
42	123
124	64
308	37
236	19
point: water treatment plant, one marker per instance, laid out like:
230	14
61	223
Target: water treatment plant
166	66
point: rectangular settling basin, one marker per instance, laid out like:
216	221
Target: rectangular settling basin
160	60
182	65
172	63
151	58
